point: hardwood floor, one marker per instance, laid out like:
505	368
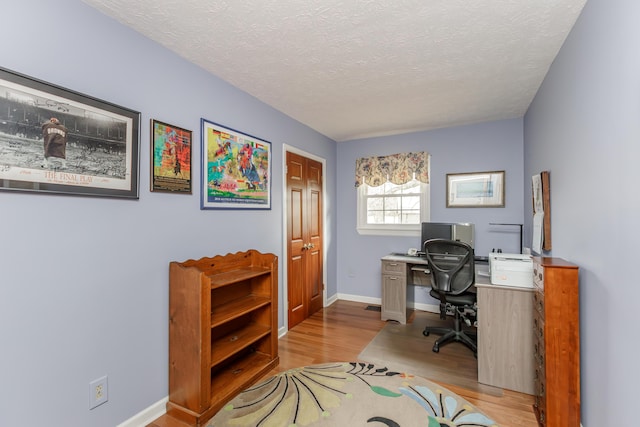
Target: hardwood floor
341	331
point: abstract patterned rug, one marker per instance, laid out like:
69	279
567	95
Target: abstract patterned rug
348	394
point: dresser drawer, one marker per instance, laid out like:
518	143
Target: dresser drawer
538	276
394	268
538	301
538	328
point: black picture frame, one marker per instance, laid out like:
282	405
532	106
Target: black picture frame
100	151
171	151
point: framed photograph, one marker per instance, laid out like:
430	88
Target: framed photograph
54	140
170	158
235	169
475	190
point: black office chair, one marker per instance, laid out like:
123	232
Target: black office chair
452	275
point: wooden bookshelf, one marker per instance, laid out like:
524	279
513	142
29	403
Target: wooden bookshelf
222	330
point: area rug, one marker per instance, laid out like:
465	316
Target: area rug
348	394
404	347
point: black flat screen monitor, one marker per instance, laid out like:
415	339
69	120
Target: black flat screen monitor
447	230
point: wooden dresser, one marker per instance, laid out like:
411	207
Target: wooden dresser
556	324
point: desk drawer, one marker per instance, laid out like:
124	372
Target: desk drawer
394	268
420	276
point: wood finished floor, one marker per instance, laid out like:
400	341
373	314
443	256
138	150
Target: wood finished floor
341	331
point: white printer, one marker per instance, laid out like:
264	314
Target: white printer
511	269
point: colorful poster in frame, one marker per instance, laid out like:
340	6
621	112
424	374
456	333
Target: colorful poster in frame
236	169
170	158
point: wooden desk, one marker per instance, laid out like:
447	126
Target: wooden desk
505	325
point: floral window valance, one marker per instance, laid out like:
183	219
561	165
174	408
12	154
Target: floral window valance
395	168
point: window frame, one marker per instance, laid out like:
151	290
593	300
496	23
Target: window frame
392	229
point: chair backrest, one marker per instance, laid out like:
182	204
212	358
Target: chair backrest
452	265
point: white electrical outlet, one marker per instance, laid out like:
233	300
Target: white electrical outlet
98	392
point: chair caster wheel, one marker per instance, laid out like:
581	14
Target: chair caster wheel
425	333
436	348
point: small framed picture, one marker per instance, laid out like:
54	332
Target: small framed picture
170	158
475	190
236	169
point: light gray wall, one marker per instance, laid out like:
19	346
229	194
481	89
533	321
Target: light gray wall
83	281
474	148
584	127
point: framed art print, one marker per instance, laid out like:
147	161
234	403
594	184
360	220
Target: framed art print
475	190
236	169
170	158
55	140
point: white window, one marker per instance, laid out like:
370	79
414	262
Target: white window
392	209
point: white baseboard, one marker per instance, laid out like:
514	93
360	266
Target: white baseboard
148	415
358	298
282	332
433	308
331	300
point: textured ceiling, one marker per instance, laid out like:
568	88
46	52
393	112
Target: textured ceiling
360	68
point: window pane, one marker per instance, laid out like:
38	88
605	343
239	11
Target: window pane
412	187
392	217
392	203
394	189
375	217
410	202
375	203
374	190
411	217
